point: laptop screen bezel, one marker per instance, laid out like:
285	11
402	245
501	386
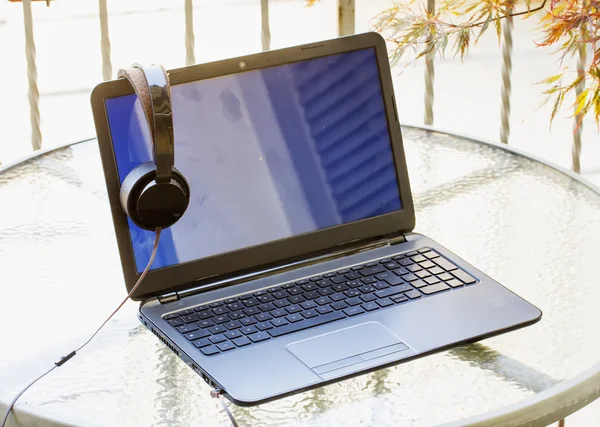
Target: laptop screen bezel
180	276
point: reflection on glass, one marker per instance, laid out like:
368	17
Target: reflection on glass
269	154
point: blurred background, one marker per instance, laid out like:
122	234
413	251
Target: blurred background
68	58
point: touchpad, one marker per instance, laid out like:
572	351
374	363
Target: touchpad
346	347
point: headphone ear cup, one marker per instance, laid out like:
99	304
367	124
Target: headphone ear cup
152	205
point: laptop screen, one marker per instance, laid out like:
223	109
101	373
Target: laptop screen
268	154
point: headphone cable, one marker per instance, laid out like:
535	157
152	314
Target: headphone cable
69	356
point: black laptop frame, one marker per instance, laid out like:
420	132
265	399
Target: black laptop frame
180	276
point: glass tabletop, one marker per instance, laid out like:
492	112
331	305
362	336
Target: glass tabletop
529	226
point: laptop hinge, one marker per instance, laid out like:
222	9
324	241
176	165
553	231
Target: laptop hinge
389	240
170	297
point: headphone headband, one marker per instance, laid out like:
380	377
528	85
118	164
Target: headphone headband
151	84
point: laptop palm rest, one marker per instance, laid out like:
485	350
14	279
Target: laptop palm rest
346	347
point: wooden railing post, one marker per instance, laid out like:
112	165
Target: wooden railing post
429	76
105	41
346	17
190	40
507	48
34	94
265	29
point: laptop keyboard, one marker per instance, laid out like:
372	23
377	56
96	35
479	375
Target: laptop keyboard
263	315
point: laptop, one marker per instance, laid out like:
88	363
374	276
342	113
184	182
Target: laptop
296	263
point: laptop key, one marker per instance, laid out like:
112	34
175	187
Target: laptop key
266	307
281	303
352	293
171	316
215	304
241	341
411	253
205	314
455	283
370	264
380	285
414	268
410	277
221	319
340	287
251	302
185	312
310	287
308	305
210	350
263	316
232	325
191	336
247	321
274	289
427	264
354	284
280	294
251	311
432	280
215	339
338	305
445	264
236	315
279	322
354	301
326	291
400	271
422	274
431	255
338	279
436	270
390	278
397	257
315	278
323	300
259	336
328	275
368	297
235	306
296	299
233	334
201	343
428	290
353	311
309	314
324	309
280	312
294	308
259	293
370	279
264	326
423	250
337	297
391	265
372	270
206	323
176	322
405	262
201	308
385	260
230	300
324	283
245	297
393	291
184	329
217	329
370	306
305	324
385	302
419	284
444	276
299	282
220	310
399	298
414	294
353	275
311	295
418	258
295	290
366	289
464	277
227	345
247	330
265	298
296	317
343	271
357	267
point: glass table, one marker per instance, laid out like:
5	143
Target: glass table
530	226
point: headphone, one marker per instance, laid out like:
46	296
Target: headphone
155	194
